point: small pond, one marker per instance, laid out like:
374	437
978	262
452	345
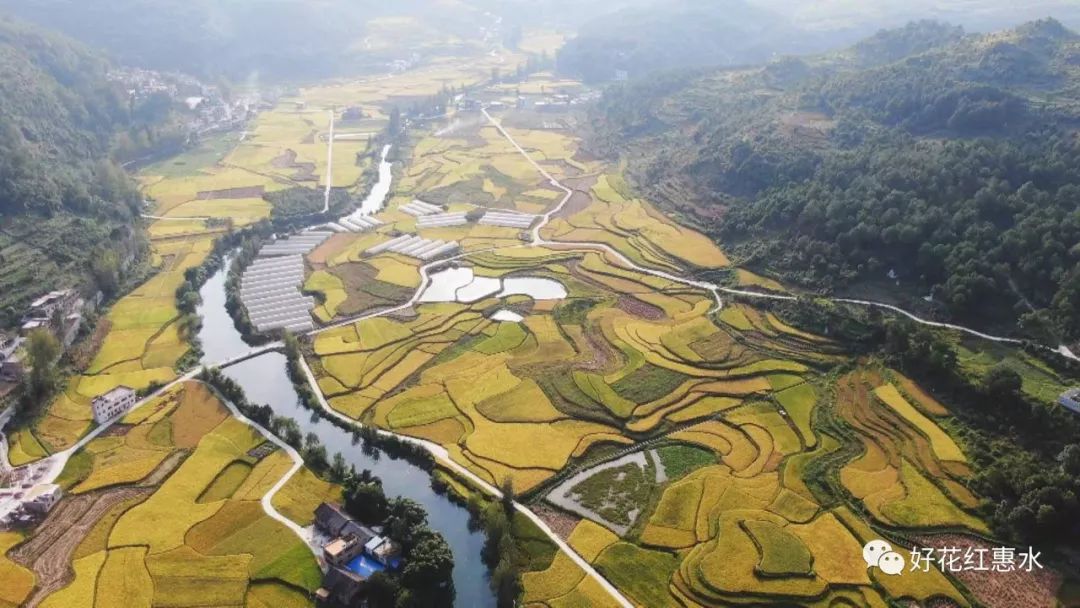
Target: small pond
462	285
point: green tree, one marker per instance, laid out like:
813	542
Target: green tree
508	496
429	570
1069	458
506	583
42	351
1002	381
382	590
405	521
339	469
366	501
105	266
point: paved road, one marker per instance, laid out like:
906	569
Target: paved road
443	457
298	462
175	219
56	462
329	165
717	289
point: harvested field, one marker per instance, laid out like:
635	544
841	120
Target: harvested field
49	552
998	589
245	192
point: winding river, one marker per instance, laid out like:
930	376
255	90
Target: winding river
265	381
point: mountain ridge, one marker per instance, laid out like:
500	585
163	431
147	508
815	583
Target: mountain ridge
798	163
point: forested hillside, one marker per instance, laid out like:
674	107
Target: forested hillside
918	163
66	207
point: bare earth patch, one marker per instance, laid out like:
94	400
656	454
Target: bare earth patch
580	199
48	553
329	249
636	307
600	353
304	171
245	192
999	589
561	523
163	470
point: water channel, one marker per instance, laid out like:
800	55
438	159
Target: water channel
265	381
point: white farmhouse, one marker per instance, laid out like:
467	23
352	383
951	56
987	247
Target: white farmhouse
113	403
42	498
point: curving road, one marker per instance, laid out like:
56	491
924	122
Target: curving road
443	457
536	239
56	462
717	289
267	500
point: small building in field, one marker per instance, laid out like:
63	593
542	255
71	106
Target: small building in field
340	587
330	519
109	405
384	551
42	498
342	550
1070	400
11	366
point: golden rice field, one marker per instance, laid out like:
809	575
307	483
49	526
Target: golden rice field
802	465
200	536
143	345
627	357
284	147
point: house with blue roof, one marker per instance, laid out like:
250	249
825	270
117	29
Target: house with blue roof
353	553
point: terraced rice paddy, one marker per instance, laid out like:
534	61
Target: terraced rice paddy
735	413
762	471
164	510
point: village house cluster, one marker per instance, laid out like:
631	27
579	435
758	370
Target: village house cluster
351	552
210	110
26	495
59	312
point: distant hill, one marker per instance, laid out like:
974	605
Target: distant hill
890	45
63	202
947	161
680	34
242	39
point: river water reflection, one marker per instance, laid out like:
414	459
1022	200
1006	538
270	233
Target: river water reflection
266	381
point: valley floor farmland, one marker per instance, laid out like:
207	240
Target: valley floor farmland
777	467
796	466
164	509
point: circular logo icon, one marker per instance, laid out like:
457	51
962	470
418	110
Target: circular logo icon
873	551
891	563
